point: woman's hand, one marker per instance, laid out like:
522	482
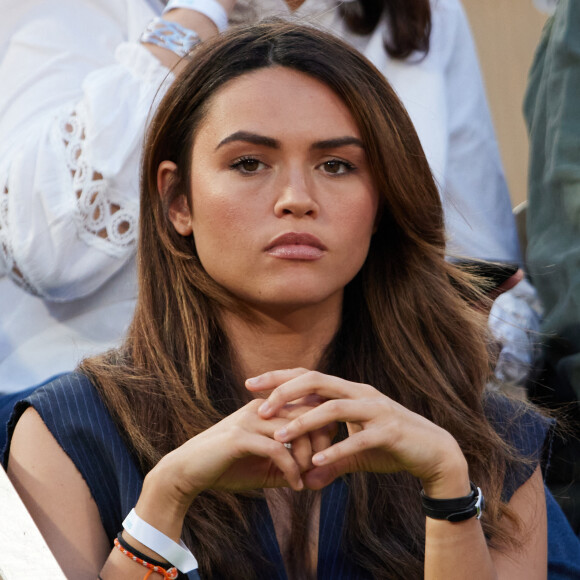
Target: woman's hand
384	436
237	454
240	453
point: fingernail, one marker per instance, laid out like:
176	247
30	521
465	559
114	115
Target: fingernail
253	381
264	407
319	459
300	485
282	433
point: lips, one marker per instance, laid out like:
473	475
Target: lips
296	246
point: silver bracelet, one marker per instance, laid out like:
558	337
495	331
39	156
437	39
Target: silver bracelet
210	8
171	36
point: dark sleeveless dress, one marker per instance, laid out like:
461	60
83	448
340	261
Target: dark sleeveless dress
76	416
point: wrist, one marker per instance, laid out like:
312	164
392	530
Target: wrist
450	480
192	20
456	509
161	503
210	15
177	554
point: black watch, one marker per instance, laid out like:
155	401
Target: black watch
457	509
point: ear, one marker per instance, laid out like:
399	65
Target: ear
179	212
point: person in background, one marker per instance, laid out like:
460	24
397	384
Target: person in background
289	221
552	112
77	88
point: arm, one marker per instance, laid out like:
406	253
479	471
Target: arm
76	96
237	453
445	540
63	509
72	111
529	502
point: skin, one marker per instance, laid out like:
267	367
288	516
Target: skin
290	161
295	186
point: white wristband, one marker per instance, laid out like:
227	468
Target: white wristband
177	555
210	8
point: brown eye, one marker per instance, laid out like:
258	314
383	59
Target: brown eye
247	165
250	164
332	166
337	167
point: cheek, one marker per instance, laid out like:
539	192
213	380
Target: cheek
221	232
218	199
359	226
359	220
223	222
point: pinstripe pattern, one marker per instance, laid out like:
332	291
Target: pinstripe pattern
79	421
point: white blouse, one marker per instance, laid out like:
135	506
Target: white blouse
76	92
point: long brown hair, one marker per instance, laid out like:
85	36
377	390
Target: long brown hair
409	23
408	325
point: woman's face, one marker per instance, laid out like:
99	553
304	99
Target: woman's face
283	204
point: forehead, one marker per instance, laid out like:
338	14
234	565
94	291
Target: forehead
278	100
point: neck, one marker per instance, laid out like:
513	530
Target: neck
283	341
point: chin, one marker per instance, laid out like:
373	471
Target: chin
287	299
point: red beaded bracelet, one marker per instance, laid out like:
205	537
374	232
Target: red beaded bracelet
168	574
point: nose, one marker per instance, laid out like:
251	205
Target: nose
296	196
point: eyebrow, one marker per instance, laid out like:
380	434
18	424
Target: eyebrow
248	137
338	142
271	143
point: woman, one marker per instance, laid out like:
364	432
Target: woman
77	89
289	222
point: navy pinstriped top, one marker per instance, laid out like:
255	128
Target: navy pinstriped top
80	422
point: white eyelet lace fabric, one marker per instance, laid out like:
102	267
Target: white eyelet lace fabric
4	223
10	267
103	219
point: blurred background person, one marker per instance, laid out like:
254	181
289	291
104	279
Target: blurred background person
552	112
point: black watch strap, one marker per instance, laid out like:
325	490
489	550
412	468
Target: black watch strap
456	509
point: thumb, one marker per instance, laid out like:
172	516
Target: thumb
319	477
